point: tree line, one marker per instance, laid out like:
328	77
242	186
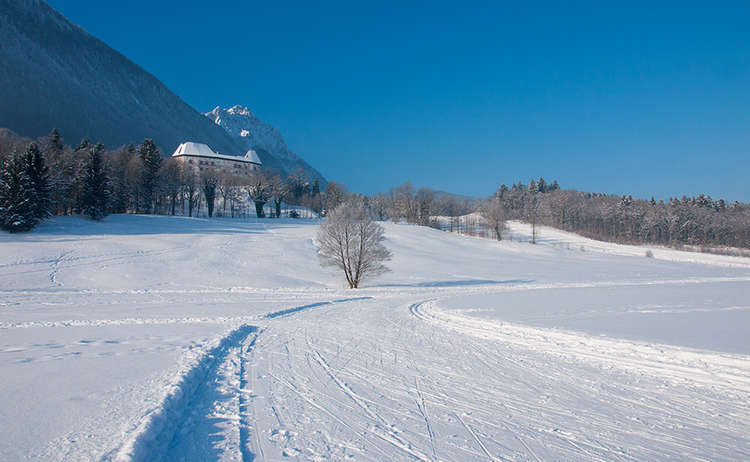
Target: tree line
44	177
697	221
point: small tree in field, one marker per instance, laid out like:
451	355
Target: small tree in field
351	240
493	212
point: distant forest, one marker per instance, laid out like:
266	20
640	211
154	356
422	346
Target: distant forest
700	221
48	177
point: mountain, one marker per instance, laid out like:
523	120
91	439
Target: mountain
249	132
55	74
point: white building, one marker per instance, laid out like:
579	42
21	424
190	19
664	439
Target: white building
203	159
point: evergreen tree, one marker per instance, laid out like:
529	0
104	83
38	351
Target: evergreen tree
17	207
38	174
84	144
62	175
150	161
94	197
55	143
315	200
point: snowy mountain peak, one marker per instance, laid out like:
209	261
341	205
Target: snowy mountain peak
250	132
238	110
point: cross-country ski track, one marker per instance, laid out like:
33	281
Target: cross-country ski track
458	364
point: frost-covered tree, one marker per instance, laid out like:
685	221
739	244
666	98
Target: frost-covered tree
351	240
17	208
94	185
335	194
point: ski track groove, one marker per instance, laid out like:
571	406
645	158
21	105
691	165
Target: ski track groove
476	438
389	436
243	404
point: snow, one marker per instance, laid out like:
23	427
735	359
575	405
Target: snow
195	149
148	338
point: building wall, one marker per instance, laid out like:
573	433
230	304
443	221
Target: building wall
217	165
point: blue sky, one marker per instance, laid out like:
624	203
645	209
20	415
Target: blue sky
463	96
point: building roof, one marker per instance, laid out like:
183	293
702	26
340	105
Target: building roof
190	148
252	156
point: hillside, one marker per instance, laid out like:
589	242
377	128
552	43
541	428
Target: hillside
54	74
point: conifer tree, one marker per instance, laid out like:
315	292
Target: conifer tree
55	143
151	161
84	144
541	185
17	210
94	198
315	200
38	175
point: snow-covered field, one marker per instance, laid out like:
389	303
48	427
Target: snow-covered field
160	338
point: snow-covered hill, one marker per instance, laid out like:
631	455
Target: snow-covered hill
250	132
55	74
168	338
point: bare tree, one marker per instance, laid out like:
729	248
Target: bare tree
170	179
259	191
425	198
351	240
226	188
208	184
190	189
279	191
493	212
